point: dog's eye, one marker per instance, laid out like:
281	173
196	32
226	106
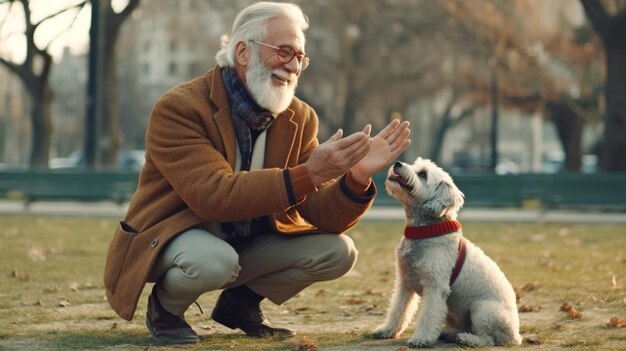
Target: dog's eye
422	174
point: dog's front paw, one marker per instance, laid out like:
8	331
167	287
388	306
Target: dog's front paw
415	343
384	332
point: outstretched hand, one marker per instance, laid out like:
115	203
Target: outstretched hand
386	146
336	156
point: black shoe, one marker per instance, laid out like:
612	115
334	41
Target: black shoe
243	311
167	327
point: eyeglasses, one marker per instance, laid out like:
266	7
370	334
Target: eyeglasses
286	53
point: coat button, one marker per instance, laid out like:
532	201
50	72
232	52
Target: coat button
154	242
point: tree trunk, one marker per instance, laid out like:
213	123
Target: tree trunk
612	30
570	129
41	124
613	152
111	123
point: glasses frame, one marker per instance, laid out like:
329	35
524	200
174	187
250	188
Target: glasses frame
288	54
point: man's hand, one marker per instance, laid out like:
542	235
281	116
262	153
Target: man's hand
386	146
336	156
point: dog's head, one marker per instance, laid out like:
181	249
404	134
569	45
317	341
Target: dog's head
424	187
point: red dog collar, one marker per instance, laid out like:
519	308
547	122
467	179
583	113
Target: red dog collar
432	230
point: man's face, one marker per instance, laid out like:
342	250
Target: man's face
271	82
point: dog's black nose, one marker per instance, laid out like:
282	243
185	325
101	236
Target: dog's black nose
398	164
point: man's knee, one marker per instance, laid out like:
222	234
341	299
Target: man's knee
341	255
210	272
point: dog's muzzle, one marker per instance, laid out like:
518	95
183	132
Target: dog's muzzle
397	177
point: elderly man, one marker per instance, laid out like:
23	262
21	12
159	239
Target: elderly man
237	194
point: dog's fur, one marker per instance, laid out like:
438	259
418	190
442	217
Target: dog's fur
479	309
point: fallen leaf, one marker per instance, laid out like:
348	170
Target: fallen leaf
529	308
303	344
574	314
114	326
50	290
617	323
321	292
566	307
373	292
19	276
64	303
355	301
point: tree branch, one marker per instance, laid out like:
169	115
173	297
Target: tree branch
598	16
78	6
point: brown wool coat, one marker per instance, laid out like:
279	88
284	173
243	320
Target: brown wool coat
188	181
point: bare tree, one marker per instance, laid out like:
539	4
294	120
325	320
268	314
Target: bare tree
612	30
34	72
112	24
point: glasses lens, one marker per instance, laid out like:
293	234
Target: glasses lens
286	54
305	63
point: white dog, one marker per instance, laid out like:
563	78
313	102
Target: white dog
463	295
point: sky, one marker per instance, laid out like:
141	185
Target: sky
57	30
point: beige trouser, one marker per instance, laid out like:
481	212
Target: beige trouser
273	265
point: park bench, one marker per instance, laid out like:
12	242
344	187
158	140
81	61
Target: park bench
73	184
602	191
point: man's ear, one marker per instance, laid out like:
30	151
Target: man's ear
242	54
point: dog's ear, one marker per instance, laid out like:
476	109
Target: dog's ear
446	199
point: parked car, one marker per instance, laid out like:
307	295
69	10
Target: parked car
126	159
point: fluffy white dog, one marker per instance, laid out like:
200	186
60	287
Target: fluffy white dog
462	294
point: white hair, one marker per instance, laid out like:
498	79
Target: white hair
251	24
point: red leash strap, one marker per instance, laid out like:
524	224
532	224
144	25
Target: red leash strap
459	261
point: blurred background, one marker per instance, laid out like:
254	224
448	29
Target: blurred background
507	87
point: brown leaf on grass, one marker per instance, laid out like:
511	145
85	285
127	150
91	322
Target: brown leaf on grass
114	326
50	290
321	292
303	344
355	301
529	308
533	339
19	276
570	310
573	314
617	323
566	307
373	292
38	303
64	303
530	287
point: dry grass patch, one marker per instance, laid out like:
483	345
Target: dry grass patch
570	281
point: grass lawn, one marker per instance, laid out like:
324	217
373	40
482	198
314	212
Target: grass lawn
52	296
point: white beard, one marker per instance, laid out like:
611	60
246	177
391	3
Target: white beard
259	80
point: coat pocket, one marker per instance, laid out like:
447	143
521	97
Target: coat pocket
123	238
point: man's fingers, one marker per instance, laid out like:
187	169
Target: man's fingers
389	129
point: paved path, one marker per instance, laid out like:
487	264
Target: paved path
105	209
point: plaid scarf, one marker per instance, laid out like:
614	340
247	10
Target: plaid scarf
247	115
248	118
